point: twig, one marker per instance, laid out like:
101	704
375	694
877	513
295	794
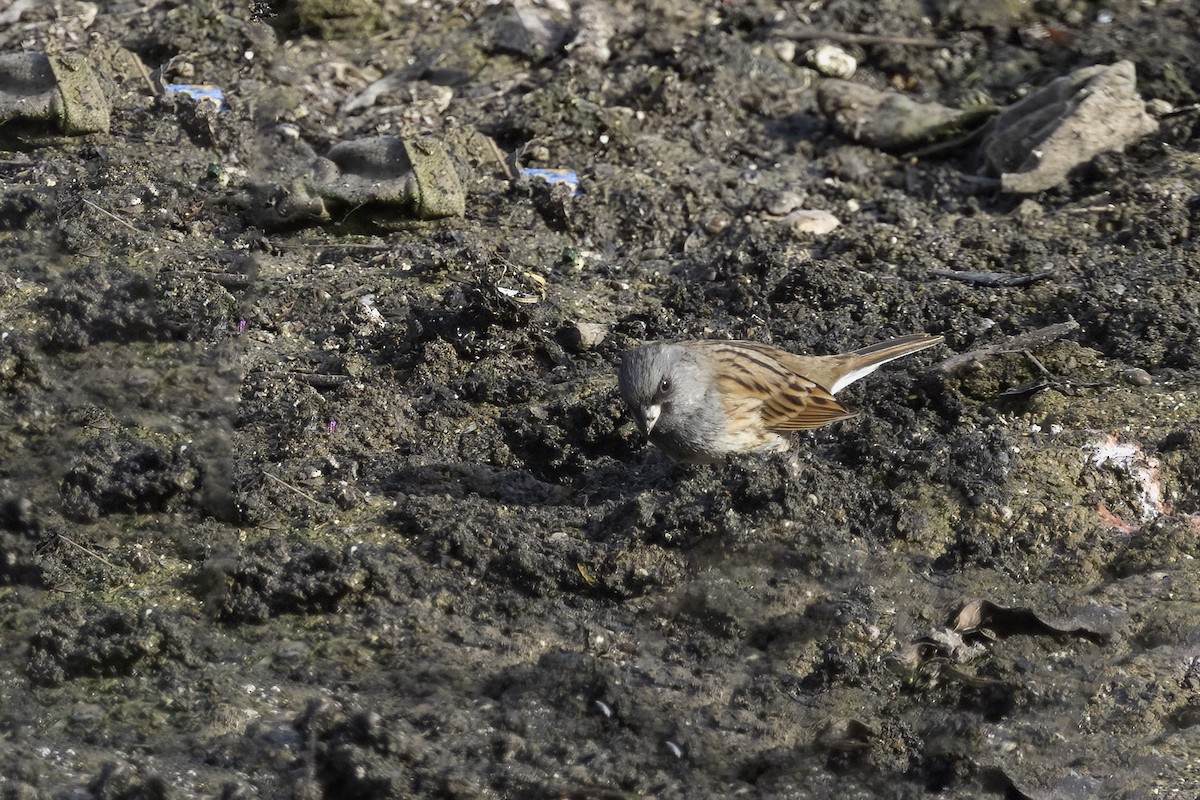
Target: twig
87	550
1100	209
155	89
230	280
340	245
975	180
1030	340
1174	112
510	170
1048	380
845	37
295	489
992	278
112	216
316	380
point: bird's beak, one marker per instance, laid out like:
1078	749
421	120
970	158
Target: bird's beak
646	416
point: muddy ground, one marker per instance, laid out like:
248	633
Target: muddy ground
347	508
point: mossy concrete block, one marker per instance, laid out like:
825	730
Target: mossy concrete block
85	107
416	173
439	191
52	94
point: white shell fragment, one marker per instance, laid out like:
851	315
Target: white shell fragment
367	303
832	61
812	221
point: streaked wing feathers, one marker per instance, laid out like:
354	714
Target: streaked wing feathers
788	401
801	406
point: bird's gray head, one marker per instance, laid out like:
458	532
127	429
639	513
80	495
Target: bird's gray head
649	381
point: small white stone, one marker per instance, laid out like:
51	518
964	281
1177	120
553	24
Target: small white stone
832	61
812	221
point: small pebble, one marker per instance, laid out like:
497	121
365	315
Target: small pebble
1157	107
584	336
813	221
777	204
832	61
1030	209
785	50
716	224
1136	376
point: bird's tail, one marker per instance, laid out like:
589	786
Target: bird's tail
865	360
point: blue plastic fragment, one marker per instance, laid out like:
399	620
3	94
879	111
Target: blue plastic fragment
554	176
200	92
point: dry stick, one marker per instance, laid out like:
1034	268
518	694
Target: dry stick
1090	209
87	550
155	89
510	170
1022	341
230	280
1183	110
335	246
113	216
846	37
991	278
353	210
295	489
316	380
1049	381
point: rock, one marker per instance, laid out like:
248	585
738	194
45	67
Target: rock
535	31
892	121
56	94
584	336
811	221
781	203
596	28
1136	376
1035	143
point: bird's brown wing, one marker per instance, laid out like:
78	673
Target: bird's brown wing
800	406
750	371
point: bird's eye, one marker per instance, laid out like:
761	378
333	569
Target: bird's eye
665	386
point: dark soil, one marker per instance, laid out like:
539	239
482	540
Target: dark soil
346	508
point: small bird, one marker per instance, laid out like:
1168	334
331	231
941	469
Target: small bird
700	400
